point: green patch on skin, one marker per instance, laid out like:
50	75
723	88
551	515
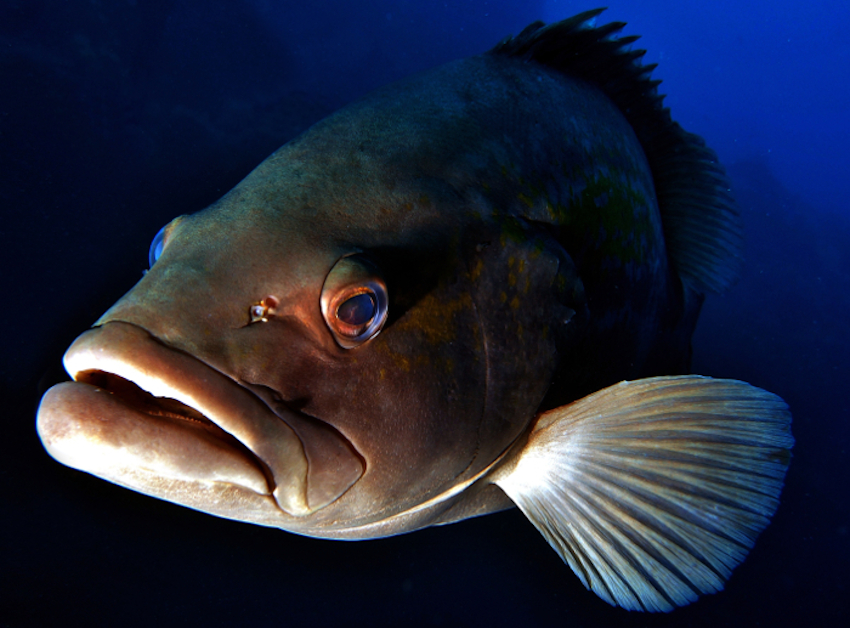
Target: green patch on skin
602	203
516	267
477	269
512	231
539	247
526	200
615	212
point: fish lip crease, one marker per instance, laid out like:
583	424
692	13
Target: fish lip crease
172	377
141	401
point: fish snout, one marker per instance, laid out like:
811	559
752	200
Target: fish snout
160	421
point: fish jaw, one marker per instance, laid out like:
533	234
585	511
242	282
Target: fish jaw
161	422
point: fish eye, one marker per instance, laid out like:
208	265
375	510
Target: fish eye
354	301
160	240
156	247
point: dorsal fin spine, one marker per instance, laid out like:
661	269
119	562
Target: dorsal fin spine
701	223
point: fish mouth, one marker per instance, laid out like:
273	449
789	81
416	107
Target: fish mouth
160	421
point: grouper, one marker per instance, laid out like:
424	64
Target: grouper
470	290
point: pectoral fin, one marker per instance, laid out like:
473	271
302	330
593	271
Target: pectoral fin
654	490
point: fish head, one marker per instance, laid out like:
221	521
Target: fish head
345	337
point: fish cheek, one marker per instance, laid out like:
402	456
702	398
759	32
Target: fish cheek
411	401
448	386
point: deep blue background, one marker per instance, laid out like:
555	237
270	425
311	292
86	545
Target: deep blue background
115	116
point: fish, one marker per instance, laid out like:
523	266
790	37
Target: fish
470	290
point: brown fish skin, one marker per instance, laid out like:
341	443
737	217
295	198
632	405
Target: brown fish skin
434	399
428	178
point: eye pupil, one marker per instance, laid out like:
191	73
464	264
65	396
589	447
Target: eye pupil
358	310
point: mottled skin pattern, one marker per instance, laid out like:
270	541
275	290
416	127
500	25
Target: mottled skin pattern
513	215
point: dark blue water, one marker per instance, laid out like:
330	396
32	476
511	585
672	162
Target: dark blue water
117	116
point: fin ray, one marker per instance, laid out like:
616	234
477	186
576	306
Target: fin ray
653	491
700	220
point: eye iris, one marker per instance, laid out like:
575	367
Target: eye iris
358	310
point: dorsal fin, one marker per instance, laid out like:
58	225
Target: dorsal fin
701	223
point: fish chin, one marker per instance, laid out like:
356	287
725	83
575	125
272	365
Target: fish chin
159	421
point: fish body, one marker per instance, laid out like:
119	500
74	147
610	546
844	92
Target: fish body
402	318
